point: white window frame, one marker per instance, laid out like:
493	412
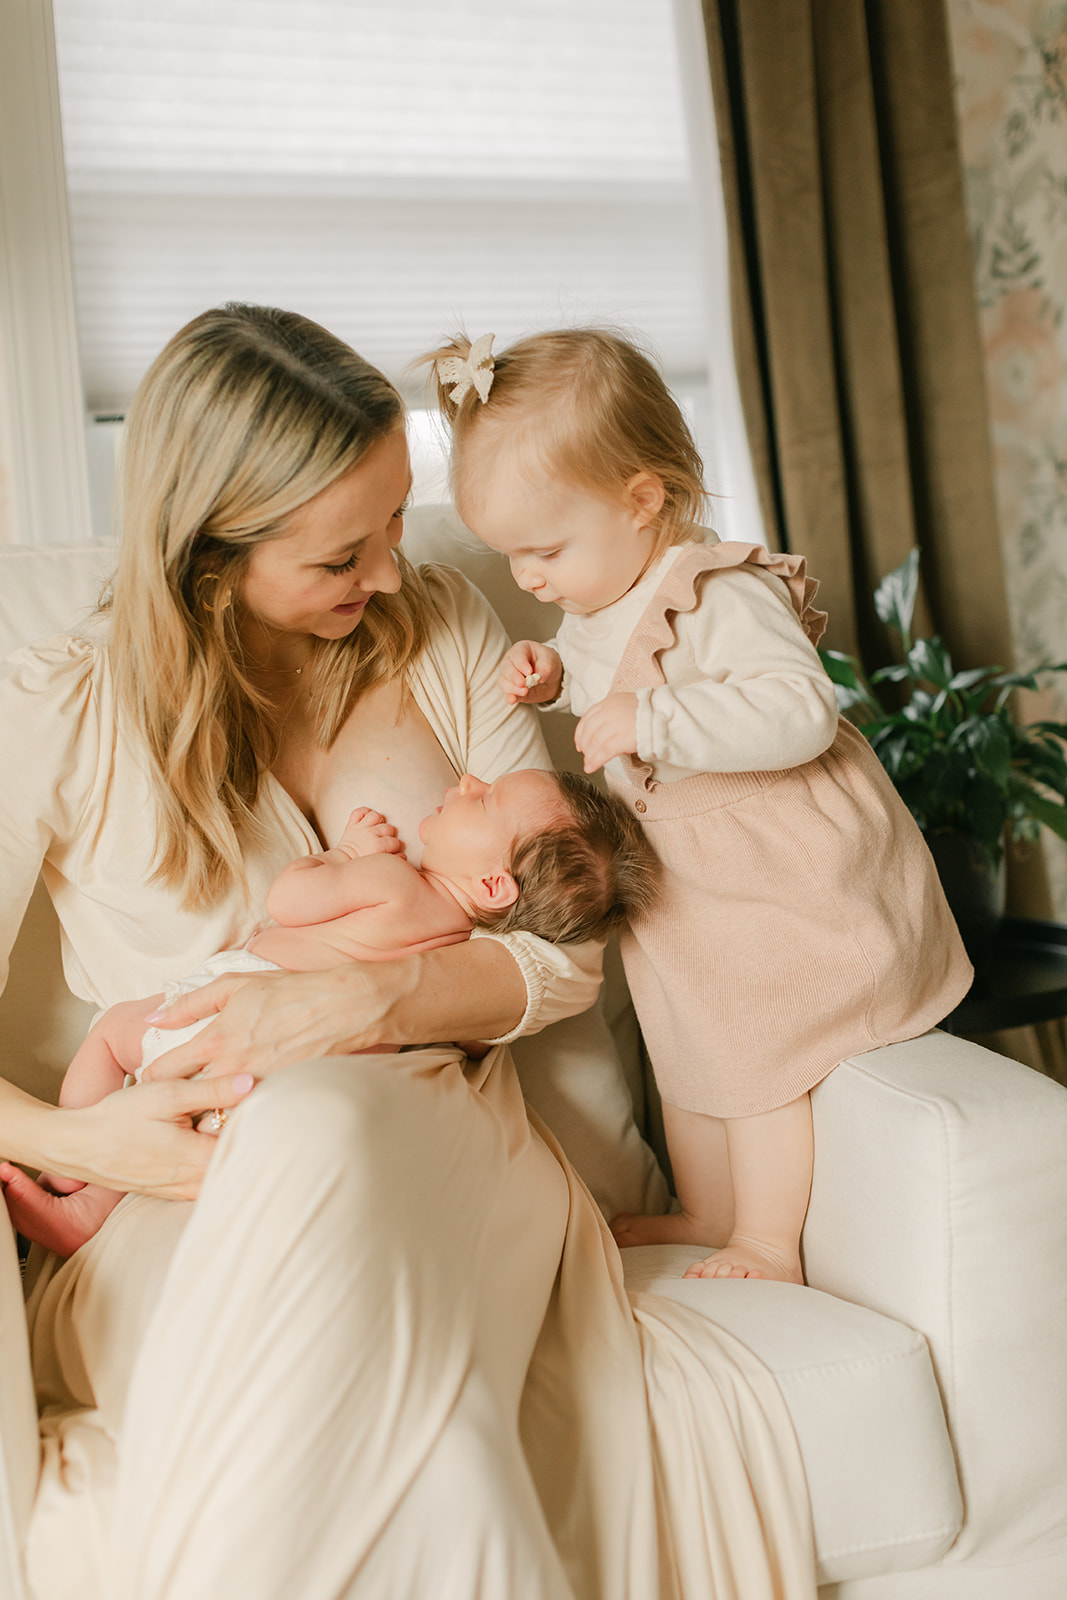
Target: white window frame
42	410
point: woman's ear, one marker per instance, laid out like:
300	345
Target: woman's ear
494	891
645	492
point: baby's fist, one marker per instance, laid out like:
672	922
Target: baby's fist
367	834
532	673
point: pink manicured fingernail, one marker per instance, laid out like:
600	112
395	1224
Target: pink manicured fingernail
243	1082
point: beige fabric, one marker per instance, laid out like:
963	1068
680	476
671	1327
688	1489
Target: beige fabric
351	1383
800	919
72	794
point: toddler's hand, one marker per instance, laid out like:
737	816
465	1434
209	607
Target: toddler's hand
529	660
368	834
608	729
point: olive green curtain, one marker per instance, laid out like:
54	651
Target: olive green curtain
853	298
855	323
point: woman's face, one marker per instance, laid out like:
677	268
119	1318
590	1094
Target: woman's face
337	552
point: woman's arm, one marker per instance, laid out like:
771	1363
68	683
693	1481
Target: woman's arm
271	1020
140	1138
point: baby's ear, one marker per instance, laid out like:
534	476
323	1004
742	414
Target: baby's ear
646	493
495	891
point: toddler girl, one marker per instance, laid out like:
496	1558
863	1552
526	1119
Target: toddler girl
800	918
541	851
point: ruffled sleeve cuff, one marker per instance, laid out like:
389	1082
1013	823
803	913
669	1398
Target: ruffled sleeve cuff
561	980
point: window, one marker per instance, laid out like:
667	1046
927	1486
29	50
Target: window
394	171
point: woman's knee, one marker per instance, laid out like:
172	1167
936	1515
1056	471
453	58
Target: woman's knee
340	1113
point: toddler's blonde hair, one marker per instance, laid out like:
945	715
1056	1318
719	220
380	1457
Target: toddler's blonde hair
593	407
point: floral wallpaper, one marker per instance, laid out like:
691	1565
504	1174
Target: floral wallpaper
1011	87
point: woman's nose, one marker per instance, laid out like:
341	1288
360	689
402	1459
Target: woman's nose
381	574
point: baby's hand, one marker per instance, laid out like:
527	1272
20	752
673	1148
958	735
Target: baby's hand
608	729
368	834
532	673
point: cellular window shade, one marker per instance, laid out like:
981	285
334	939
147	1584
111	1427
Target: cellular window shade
394	170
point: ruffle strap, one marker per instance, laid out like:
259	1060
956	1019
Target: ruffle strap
679	591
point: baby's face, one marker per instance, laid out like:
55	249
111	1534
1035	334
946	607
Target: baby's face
567	546
474	830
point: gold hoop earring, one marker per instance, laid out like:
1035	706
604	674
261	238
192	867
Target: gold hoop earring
216	603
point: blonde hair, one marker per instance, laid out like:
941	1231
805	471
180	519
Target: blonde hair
595	408
245	415
584	878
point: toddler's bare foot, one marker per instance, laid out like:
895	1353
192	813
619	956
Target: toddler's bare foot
60	1222
676	1227
743	1258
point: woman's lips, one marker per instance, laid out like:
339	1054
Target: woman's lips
350	609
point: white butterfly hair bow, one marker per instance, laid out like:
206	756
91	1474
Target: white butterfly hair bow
474	371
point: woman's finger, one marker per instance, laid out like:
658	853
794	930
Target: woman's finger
189	1097
194	1007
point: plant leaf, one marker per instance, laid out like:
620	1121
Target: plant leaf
929	659
968	680
989	745
894	598
895	674
1054	816
840	668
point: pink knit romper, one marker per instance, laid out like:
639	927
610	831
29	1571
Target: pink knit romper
800	920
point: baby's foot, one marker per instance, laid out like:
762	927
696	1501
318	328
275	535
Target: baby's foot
743	1258
59	1222
673	1228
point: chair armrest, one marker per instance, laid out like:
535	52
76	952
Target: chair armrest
19	1442
940	1199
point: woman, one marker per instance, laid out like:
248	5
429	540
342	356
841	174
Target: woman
387	1353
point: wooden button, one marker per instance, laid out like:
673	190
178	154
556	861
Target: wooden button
639	805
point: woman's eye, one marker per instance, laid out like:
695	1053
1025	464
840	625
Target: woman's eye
402	509
345	566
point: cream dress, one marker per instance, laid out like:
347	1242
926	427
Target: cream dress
387	1355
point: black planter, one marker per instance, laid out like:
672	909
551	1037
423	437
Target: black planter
974	889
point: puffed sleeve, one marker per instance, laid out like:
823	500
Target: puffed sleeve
494	738
50	742
760	699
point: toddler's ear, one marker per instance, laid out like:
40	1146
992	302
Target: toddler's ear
495	891
646	494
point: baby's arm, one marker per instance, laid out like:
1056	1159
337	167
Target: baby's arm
331	883
329	889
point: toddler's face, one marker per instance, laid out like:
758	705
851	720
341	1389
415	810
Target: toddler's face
473	831
566	545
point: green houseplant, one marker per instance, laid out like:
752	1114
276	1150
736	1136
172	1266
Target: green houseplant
971	776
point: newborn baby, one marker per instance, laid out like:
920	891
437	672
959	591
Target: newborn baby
543	851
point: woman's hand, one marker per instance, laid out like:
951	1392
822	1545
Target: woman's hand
260	1023
142	1138
529	660
608	729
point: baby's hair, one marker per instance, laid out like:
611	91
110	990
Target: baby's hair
593	407
584	878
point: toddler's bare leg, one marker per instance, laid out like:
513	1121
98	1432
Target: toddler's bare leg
771	1160
698	1151
58	1214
